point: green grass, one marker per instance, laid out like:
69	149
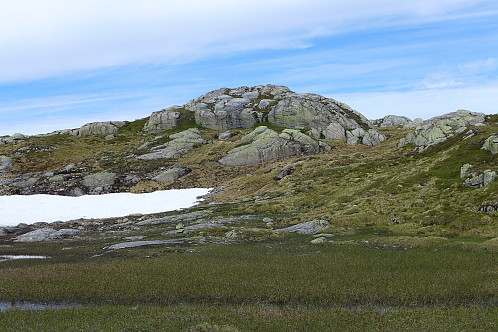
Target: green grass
204	317
292	271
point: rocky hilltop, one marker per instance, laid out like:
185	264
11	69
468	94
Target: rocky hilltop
312	156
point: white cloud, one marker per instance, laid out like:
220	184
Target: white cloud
43	38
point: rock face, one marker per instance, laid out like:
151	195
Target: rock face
491	144
439	129
5	164
476	179
244	107
181	143
163	120
99	183
98	128
46	234
172	174
266	144
16	138
393	121
92	128
310	227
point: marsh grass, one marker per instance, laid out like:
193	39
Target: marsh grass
205	317
282	271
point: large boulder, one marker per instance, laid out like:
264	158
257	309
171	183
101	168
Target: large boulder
97	128
244	107
476	179
16	138
5	164
491	144
172	174
310	227
266	144
99	183
393	121
181	143
439	129
46	234
163	120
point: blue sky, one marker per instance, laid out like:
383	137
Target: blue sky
65	63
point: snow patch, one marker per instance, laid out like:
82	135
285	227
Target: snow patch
29	209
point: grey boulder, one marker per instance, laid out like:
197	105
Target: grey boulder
163	120
266	144
310	227
5	164
46	234
172	174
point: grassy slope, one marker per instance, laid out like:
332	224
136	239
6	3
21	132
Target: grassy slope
358	189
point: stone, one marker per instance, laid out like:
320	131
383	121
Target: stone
284	172
181	143
373	138
463	171
318	240
480	179
334	131
233	234
393	121
99	179
244	107
46	234
491	145
440	128
134	244
162	120
98	128
172	174
5	164
310	227
225	135
266	144
109	137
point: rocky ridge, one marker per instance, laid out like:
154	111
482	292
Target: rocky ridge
440	128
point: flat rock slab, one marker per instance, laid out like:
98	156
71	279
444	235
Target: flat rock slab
310	227
134	244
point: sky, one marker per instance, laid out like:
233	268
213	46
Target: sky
65	63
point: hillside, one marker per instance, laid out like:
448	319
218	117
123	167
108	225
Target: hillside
235	141
319	219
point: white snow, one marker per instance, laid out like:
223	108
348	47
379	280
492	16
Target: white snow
29	209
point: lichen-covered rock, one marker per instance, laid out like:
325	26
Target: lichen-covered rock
244	107
392	121
99	182
98	128
464	171
163	120
439	129
181	143
5	164
45	234
491	144
310	227
266	144
16	138
372	138
172	174
480	179
306	111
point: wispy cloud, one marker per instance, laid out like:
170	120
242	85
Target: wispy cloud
50	37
